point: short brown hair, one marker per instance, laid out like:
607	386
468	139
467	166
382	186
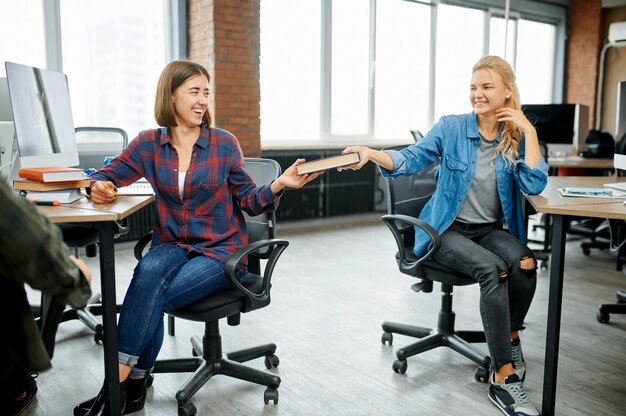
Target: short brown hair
174	75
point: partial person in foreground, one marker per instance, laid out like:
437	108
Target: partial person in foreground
201	188
32	252
487	159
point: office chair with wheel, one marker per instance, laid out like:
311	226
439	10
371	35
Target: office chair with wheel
230	304
407	197
600	232
617	247
94	144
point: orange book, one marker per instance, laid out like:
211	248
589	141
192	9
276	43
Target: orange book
52	174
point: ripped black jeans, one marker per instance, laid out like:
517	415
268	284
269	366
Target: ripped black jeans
492	256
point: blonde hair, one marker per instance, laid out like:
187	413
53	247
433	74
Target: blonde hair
174	75
510	137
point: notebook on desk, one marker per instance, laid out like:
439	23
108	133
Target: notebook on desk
616	185
141	187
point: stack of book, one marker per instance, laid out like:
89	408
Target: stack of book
52	185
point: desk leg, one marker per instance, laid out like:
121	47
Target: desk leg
557	262
109	314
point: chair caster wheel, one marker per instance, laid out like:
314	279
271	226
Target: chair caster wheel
98	336
481	374
586	251
387	337
400	366
187	409
602	317
270	394
271	361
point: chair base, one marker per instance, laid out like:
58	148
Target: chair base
210	362
444	336
608	308
430	339
86	315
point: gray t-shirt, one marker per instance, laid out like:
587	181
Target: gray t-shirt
482	204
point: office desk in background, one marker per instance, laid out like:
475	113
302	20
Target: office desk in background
103	217
551	202
580	163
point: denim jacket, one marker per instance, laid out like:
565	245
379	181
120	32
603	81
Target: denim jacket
454	140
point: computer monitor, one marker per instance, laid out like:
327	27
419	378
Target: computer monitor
6	114
42	117
620	122
563	127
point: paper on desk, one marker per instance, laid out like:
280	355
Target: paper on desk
592	192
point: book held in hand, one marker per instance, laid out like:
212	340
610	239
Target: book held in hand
52	174
26	185
328	163
65	196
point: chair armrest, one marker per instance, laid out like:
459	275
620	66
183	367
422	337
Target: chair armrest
391	221
141	244
255	300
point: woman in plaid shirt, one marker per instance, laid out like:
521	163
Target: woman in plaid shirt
201	188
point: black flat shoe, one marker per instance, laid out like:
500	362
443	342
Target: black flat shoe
135	398
100	403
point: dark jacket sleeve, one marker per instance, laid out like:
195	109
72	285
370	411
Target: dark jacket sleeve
32	251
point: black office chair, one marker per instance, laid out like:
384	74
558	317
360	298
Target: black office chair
407	197
253	294
94	144
600	232
617	247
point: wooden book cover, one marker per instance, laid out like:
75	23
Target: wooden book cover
51	174
26	185
328	163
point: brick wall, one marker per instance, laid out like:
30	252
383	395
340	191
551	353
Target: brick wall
224	36
583	51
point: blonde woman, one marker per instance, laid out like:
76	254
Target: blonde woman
487	159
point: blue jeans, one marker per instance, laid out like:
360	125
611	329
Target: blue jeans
166	278
492	257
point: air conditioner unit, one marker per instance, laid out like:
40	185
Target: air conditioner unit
617	32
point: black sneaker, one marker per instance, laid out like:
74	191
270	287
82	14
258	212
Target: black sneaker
16	407
518	359
511	398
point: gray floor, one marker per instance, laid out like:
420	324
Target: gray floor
333	287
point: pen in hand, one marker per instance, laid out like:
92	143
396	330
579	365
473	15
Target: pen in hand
110	186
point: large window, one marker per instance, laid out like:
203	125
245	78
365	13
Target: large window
402	68
459	45
335	72
113	53
535	61
22	34
290	70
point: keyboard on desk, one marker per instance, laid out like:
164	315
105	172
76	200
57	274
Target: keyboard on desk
141	187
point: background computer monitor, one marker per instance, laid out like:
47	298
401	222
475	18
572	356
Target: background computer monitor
563	127
42	116
6	114
7	132
620	124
